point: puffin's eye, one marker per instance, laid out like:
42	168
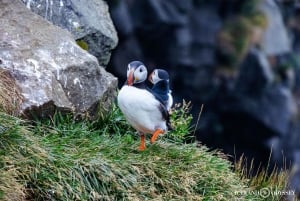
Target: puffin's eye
141	70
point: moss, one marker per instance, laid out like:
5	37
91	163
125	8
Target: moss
234	40
258	19
82	44
237	34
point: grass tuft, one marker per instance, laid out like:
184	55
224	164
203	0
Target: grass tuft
181	121
263	181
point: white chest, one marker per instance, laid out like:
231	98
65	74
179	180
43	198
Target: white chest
141	109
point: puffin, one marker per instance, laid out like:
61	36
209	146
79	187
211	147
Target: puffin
141	109
161	89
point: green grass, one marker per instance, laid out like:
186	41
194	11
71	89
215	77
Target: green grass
64	159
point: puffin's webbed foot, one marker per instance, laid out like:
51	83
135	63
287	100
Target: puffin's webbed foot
155	135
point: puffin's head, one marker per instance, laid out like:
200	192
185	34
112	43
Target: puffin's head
136	72
158	75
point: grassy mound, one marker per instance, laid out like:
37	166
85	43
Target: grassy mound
61	159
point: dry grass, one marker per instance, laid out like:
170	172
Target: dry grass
10	96
263	179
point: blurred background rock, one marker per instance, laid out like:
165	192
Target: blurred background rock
238	58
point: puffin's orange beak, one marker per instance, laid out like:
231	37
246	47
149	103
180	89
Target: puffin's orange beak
130	78
150	78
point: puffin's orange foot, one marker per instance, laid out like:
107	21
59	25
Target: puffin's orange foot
155	135
142	146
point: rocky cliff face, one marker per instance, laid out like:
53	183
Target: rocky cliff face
88	22
49	70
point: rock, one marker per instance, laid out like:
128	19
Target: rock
279	43
269	103
87	21
276	116
255	73
49	69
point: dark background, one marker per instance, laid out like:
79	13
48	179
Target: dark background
238	58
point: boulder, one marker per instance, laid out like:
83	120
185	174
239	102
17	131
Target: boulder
48	68
275	109
279	43
255	73
270	103
89	22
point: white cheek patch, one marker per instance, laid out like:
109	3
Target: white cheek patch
140	76
155	78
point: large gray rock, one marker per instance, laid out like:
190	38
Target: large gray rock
50	69
269	103
88	21
255	73
275	40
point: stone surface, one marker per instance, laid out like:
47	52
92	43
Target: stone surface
87	21
49	68
255	89
255	74
279	43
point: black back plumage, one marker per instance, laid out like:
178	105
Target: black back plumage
160	90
